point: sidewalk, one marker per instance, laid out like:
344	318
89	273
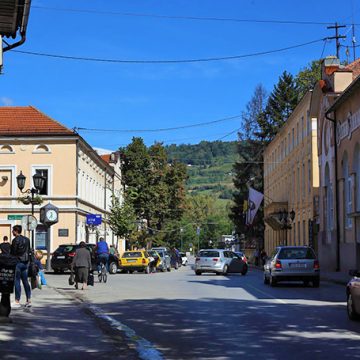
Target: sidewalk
58	326
339	278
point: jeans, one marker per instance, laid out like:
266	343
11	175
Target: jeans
21	273
103	258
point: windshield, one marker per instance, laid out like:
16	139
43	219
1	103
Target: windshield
296	253
135	254
153	253
209	253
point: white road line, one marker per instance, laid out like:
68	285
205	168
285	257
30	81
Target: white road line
266	294
145	348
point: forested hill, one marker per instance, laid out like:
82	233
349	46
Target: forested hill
209	166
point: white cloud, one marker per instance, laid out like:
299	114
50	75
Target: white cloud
6	101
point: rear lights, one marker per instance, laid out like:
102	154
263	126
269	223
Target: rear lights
316	265
197	259
72	254
216	259
144	261
278	264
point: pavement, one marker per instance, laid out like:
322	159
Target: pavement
61	326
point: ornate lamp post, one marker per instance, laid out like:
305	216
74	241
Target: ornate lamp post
287	219
39	182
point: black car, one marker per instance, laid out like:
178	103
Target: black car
353	295
63	256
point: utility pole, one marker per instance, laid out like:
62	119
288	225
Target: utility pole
337	37
353	40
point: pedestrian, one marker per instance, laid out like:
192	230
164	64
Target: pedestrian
102	252
112	250
20	248
256	257
5	246
38	256
263	256
82	265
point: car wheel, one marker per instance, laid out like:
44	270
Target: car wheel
113	268
56	271
198	272
147	270
225	270
130	271
169	269
272	281
316	283
352	314
162	269
245	270
266	280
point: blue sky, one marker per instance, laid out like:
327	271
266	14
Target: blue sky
124	96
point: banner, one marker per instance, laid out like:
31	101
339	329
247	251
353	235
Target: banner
255	199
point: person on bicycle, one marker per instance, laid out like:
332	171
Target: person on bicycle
102	253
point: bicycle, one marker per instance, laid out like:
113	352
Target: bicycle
102	275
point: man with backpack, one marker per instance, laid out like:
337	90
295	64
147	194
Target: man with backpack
20	248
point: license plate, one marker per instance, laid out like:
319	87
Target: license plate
61	257
131	261
297	265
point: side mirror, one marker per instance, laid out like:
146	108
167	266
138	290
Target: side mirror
355	273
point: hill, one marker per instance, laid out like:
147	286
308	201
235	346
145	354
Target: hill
209	166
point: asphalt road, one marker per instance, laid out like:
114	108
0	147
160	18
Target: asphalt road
185	316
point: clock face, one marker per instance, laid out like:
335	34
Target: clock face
51	215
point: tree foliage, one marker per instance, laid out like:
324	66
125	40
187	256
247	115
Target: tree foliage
307	77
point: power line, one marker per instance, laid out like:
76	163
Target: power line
179	17
180	61
161	129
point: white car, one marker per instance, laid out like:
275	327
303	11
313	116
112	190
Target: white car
184	259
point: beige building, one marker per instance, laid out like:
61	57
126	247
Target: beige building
291	181
78	181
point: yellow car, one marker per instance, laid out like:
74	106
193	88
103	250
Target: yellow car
135	260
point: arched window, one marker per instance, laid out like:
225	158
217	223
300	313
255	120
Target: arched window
357	176
6	149
42	148
347	198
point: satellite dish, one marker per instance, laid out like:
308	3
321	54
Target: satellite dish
29	222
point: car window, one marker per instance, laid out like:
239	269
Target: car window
273	254
296	253
61	249
209	253
135	254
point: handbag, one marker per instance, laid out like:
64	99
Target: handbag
90	281
71	279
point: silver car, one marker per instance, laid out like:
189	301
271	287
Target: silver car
292	263
219	261
165	263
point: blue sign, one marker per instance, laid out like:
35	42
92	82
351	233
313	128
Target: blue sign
93	219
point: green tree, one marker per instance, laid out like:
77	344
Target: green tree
307	77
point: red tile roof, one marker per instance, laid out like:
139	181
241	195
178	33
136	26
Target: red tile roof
106	158
354	67
28	121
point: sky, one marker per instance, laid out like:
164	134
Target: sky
118	96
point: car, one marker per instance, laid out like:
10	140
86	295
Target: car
292	263
165	261
63	256
135	260
242	255
184	259
220	262
353	295
155	264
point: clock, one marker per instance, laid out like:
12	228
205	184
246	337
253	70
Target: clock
51	215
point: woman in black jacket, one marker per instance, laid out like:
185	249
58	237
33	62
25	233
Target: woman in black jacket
82	265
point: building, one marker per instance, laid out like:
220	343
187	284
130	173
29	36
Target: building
78	181
291	181
334	103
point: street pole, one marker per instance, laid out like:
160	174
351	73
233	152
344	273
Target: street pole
181	239
32	213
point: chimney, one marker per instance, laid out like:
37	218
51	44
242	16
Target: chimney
334	77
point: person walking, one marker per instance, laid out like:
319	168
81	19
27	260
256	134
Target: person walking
20	248
82	265
5	246
102	253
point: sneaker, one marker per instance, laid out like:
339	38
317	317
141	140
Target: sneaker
28	304
15	305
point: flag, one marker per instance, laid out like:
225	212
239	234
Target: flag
255	199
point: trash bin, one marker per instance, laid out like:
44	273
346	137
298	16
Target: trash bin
7	280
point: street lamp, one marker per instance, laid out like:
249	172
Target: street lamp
39	182
284	217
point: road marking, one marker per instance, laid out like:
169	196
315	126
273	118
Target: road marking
266	294
145	348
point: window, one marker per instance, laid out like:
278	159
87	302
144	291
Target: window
357	177
308	122
45	174
298	183
309	177
297	134
42	148
347	197
304	232
303	130
6	149
328	200
293	138
289	149
303	187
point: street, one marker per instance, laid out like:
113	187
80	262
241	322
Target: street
179	315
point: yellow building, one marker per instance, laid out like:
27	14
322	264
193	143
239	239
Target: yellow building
78	180
291	181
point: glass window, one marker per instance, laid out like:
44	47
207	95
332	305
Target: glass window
347	198
296	253
44	173
209	253
357	177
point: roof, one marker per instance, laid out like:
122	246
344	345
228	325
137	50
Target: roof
29	121
354	67
355	85
106	158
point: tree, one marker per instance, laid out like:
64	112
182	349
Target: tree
307	77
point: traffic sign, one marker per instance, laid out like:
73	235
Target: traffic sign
29	222
93	219
15	217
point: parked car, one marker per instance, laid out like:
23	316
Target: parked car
63	256
184	259
292	263
219	261
242	255
155	264
135	260
353	295
165	263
